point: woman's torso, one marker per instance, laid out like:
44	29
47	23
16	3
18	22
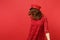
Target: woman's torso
38	29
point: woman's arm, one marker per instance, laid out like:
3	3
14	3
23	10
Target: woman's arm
30	34
46	29
48	36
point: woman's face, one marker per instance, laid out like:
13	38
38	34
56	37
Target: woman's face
34	14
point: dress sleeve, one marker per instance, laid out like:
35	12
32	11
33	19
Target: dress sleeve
31	31
46	25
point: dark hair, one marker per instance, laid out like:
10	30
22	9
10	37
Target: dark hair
33	8
39	13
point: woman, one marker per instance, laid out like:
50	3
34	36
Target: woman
39	25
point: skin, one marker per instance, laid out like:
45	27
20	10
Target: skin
36	15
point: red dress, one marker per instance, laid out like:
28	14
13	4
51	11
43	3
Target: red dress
38	29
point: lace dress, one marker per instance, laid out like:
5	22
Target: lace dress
38	29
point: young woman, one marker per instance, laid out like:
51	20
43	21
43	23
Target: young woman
39	25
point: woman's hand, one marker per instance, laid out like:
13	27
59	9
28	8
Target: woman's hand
48	36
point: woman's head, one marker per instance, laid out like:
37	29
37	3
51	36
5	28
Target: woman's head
35	13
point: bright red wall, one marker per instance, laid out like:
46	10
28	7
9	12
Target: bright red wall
15	23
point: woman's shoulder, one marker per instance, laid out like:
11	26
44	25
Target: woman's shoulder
44	17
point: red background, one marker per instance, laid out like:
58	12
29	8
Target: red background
15	23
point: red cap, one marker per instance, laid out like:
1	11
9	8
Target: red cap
36	6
